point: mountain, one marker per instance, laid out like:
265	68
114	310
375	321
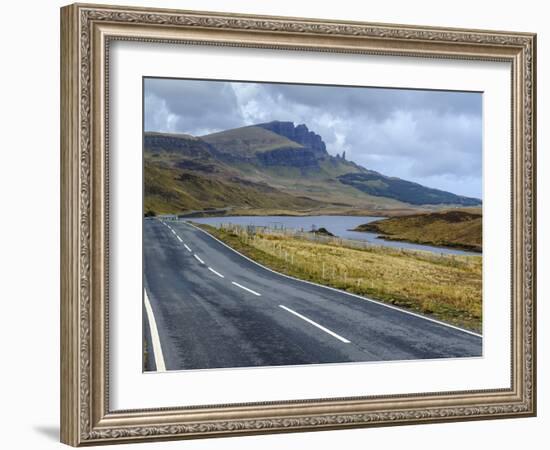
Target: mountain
279	145
183	173
249	141
276	166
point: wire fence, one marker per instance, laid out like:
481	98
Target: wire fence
277	230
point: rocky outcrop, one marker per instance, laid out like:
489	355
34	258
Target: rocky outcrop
299	134
184	144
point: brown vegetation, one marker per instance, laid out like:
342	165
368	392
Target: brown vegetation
452	228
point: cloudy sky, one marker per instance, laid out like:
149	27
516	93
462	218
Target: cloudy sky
431	137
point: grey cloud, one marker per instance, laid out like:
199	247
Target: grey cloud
432	137
436	145
377	103
190	106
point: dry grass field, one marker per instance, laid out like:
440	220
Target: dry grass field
446	287
459	228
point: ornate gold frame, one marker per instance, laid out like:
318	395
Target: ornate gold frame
86	31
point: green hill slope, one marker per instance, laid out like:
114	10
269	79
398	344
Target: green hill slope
171	191
374	183
248	141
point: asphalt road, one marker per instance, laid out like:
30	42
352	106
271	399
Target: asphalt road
206	306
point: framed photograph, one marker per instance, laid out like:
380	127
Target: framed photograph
276	224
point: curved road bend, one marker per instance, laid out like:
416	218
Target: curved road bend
213	308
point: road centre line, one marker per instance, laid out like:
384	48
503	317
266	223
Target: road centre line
157	349
245	288
179	239
315	324
198	259
217	273
187	247
385	305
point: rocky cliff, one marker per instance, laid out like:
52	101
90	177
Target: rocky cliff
299	134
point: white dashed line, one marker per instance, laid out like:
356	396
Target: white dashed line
315	324
377	302
198	259
179	239
187	247
217	273
173	232
246	289
157	349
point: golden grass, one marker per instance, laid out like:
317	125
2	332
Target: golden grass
447	287
451	228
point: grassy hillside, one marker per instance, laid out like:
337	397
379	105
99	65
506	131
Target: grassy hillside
247	141
376	184
171	190
453	228
444	286
242	185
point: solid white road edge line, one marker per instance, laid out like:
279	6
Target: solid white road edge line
246	289
186	246
410	313
217	273
198	259
315	324
157	349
